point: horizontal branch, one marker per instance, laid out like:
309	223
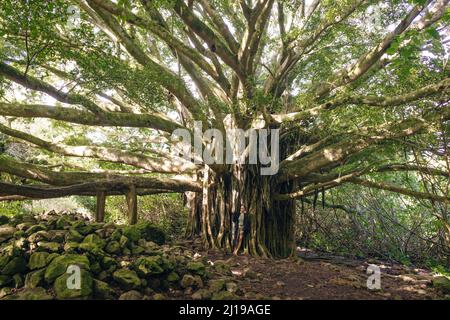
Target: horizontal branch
39	173
33	83
336	206
108	119
10	192
394	188
311	189
339	151
441	87
324	182
412	167
161	164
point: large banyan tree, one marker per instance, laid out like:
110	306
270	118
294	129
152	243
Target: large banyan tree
357	92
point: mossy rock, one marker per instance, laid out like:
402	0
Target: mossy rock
91	248
442	283
19	234
95	267
173	277
202	294
232	287
63	291
18	280
49	246
102	233
24	226
35	228
57	235
11	251
224	295
63	223
4	259
137	250
222	267
71	247
38	260
145	230
113	247
60	264
127	279
30	294
197	268
6	232
35	279
83	227
131	295
51	257
15	265
108	262
74	236
216	285
104	275
5	292
36	237
124	241
103	291
132	232
187	281
115	235
5	280
94	239
159	296
145	266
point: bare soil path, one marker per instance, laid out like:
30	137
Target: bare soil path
315	276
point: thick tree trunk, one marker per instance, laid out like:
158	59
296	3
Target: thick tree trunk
236	213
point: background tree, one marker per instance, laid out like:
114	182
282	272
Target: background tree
352	85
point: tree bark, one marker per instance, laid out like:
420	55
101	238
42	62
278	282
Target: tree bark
100	209
132	204
237	213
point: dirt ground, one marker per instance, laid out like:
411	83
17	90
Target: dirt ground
319	276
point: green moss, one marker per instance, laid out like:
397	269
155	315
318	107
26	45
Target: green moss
38	260
60	264
102	290
35	279
63	291
16	265
30	294
145	266
127	279
197	268
145	230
